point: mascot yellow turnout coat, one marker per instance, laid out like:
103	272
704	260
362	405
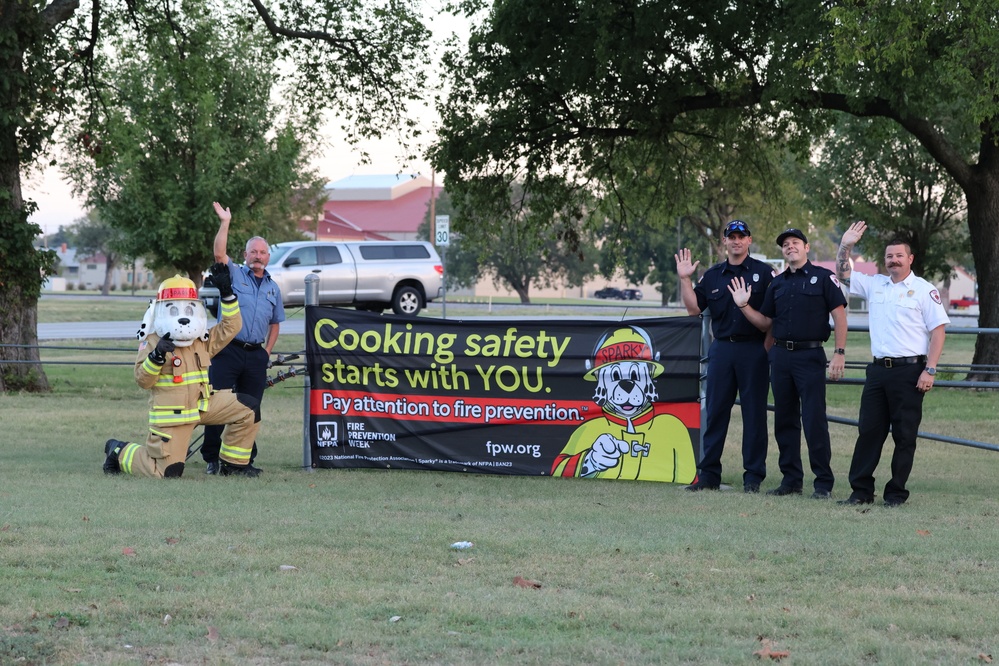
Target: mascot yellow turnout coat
172	363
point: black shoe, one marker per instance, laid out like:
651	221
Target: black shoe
701	485
751	488
229	469
854	501
212	468
781	491
254	468
894	503
111	450
822	494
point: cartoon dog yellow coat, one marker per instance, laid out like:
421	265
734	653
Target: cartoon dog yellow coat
629	440
172	363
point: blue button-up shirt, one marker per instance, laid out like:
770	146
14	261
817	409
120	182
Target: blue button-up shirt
260	305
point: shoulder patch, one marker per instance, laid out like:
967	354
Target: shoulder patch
834	280
935	295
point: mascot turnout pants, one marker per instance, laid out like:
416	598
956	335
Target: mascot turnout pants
165	450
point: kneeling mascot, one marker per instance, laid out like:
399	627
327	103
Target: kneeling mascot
175	371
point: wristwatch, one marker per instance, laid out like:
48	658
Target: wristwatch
930	371
840	351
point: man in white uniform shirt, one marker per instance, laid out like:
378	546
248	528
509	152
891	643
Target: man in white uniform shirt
907	323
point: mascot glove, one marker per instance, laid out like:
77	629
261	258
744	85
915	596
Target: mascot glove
222	279
605	453
158	355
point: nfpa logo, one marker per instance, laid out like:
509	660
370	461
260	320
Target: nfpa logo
326	434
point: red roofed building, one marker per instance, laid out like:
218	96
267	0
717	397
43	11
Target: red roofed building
374	208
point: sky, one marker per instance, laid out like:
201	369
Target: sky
57	206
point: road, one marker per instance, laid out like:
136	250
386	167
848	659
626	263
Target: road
125	330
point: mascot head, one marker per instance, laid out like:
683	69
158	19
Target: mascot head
178	311
624	365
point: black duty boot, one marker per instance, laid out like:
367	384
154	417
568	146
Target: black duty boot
228	469
111	450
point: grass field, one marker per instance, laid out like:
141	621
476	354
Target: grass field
111	570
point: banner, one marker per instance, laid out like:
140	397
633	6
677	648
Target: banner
552	398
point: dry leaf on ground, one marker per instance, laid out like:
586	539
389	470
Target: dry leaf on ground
520	581
213	634
128	552
985	658
768	651
923	532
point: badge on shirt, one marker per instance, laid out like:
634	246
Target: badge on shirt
756	277
935	295
910	293
814	279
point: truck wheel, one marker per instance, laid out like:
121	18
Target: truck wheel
406	301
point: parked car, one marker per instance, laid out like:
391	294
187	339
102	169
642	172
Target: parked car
369	275
610	292
963	302
632	294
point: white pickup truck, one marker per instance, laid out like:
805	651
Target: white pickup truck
368	275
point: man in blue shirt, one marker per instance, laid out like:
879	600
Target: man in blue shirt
242	364
796	310
737	359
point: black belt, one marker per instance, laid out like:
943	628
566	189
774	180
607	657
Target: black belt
742	338
791	345
248	346
900	360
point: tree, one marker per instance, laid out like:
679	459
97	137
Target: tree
558	87
190	119
93	236
360	59
874	171
509	243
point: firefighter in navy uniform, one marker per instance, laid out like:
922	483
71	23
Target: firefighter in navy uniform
796	311
172	364
737	359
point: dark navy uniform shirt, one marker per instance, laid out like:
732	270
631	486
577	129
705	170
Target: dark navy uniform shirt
713	295
799	303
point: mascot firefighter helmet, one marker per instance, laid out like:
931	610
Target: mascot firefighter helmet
178	311
624	344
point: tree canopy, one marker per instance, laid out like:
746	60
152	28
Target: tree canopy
190	118
559	88
363	60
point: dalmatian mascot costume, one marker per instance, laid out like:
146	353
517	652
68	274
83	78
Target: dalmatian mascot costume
173	360
628	440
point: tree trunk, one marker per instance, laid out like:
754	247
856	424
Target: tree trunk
983	212
109	264
20	264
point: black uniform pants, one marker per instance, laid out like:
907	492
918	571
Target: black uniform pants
890	400
742	367
243	371
798	379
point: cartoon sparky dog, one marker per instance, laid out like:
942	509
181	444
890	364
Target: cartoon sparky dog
628	440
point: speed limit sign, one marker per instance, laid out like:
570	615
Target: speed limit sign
442	230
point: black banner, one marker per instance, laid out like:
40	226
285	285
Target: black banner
590	399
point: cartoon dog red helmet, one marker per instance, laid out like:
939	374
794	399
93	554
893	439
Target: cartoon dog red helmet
624	344
177	288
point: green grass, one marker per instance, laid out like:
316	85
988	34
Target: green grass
636	573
